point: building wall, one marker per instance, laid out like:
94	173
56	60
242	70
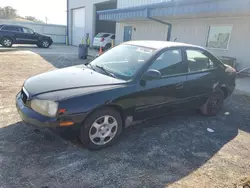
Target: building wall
195	31
56	32
90	18
146	30
131	3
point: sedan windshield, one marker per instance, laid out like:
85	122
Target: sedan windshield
122	61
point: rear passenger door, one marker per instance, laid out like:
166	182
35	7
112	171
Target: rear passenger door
202	77
14	31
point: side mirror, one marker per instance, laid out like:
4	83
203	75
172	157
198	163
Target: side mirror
151	74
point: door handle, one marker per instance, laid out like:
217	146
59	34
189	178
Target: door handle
179	86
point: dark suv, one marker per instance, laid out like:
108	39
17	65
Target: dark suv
13	34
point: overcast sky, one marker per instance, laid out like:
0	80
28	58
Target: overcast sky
55	10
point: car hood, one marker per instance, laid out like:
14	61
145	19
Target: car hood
68	78
40	35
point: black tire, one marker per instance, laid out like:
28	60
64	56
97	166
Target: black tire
38	45
107	46
87	128
7	42
44	44
213	104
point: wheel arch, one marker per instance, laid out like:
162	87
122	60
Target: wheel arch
116	107
10	37
225	91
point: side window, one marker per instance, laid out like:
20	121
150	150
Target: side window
169	63
113	37
11	28
27	30
198	61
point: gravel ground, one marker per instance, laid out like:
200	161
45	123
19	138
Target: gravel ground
174	151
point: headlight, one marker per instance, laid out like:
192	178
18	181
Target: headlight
45	107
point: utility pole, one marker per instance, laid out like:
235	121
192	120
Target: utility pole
46	20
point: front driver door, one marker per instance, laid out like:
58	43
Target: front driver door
165	94
27	36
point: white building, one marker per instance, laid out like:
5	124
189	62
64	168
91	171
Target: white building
82	19
223	26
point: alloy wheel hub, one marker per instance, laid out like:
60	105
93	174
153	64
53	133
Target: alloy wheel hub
103	130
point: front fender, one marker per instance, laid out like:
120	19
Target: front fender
87	103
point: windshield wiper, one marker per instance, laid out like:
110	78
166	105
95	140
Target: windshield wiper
104	70
91	66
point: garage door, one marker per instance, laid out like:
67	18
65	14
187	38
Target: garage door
78	26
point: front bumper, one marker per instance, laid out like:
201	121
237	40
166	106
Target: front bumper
33	118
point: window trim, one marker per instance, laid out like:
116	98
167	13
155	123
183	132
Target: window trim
2	28
207	35
184	63
206	53
22	31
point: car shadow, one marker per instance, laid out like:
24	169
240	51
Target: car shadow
64	60
152	154
18	47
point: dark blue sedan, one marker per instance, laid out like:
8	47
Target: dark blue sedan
134	81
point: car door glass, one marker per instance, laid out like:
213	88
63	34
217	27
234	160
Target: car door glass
11	28
169	63
27	30
113	37
198	61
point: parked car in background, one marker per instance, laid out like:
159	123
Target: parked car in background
103	40
132	82
14	34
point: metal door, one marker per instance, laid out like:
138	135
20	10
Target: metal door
78	26
127	33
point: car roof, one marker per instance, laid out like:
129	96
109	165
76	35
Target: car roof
159	44
106	33
12	25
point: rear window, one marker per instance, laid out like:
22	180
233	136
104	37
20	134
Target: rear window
99	35
10	28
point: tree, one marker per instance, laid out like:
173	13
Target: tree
33	19
11	13
8	13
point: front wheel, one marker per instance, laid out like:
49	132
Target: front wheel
7	42
107	46
39	45
101	129
213	104
44	44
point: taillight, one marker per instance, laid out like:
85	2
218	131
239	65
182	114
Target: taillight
102	39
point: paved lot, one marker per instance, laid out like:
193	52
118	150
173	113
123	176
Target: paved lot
174	151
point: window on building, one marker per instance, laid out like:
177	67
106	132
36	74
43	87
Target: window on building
27	30
169	63
218	36
11	28
197	61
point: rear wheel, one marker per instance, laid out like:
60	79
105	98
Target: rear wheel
213	104
7	42
101	129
